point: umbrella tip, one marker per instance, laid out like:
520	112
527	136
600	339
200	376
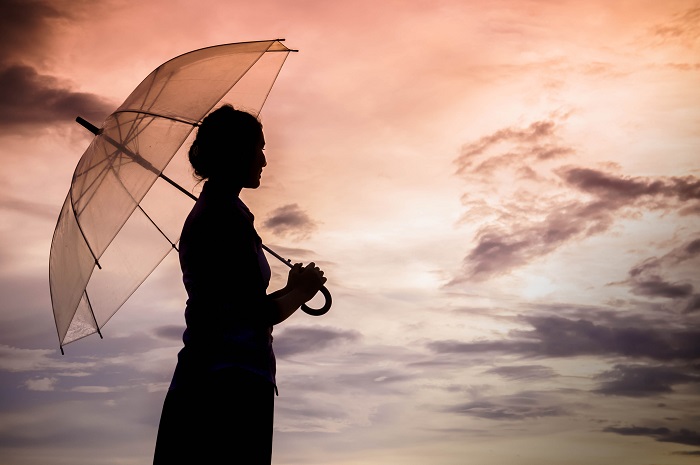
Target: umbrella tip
87	125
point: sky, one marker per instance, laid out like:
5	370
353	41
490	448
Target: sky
503	194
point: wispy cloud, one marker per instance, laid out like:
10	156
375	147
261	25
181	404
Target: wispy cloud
649	278
643	381
546	203
553	336
661	434
520	406
523	372
299	339
683	27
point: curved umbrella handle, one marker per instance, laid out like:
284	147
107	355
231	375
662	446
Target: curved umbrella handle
310	311
323	310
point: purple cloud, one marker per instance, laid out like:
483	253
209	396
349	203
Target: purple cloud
514	407
642	380
290	220
296	339
661	434
545	204
552	336
649	277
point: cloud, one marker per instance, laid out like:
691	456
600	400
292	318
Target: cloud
290	220
14	359
41	384
519	406
627	188
643	381
297	339
683	27
661	434
24	26
39	210
170	332
553	336
529	203
651	277
538	141
523	372
28	98
693	304
93	389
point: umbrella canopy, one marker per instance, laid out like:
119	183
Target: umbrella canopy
113	231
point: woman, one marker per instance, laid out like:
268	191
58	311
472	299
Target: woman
219	407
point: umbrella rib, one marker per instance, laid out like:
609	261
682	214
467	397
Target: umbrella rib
88	187
80	228
158	228
138	205
158	115
97	325
273	82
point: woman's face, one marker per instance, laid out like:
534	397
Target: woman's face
252	180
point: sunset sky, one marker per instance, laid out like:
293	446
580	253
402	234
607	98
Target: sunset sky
504	195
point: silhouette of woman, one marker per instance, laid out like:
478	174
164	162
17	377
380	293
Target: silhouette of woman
220	403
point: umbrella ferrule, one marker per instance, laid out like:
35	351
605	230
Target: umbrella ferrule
89	126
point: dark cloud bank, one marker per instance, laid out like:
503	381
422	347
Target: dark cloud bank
30	99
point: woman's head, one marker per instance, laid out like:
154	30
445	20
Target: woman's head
228	144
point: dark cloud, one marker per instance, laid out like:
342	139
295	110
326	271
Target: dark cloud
661	434
296	339
624	189
656	287
648	278
25	26
551	204
523	372
519	406
693	304
553	336
643	381
290	220
171	332
29	98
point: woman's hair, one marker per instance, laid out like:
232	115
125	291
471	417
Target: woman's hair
225	141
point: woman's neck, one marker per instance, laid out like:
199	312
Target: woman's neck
225	185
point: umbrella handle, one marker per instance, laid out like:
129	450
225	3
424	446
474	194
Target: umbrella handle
326	306
310	311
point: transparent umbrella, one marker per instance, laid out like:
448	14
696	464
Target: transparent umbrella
113	231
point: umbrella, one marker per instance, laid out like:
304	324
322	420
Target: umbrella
113	231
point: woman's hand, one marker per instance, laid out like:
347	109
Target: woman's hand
303	282
306	279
